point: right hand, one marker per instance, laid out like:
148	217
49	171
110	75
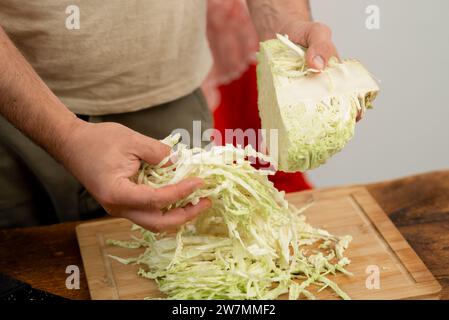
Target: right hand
105	156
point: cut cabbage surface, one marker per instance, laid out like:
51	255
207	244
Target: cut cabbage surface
251	243
314	112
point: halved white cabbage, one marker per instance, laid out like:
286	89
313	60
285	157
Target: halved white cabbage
314	112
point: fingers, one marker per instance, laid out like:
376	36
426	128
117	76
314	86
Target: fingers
167	195
139	196
126	193
320	46
169	220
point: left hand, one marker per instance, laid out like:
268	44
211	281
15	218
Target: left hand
315	36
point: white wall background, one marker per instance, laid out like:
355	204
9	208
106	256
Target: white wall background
408	130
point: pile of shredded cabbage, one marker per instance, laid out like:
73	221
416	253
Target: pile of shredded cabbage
251	243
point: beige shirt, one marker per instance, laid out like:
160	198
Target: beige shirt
127	55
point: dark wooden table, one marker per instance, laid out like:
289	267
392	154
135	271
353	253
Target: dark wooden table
418	205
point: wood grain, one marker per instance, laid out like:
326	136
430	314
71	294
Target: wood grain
417	205
40	255
347	211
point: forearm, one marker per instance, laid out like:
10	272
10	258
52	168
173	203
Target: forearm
270	16
29	104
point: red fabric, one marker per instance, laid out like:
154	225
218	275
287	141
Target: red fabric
238	109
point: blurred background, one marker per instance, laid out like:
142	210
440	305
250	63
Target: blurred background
408	130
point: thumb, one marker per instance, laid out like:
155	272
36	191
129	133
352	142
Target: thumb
151	150
320	47
126	193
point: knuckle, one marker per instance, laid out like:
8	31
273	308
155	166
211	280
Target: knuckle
319	26
135	140
151	201
168	196
151	204
178	192
155	203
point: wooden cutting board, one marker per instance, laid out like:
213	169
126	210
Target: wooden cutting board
377	247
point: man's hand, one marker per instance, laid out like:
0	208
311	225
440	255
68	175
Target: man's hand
106	156
292	17
315	36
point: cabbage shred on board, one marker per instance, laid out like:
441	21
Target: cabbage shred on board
313	111
251	243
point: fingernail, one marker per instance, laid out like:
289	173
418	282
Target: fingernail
319	62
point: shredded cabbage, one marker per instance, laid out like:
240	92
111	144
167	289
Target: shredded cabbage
315	112
251	243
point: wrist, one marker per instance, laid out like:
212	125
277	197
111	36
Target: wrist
292	23
272	16
65	132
